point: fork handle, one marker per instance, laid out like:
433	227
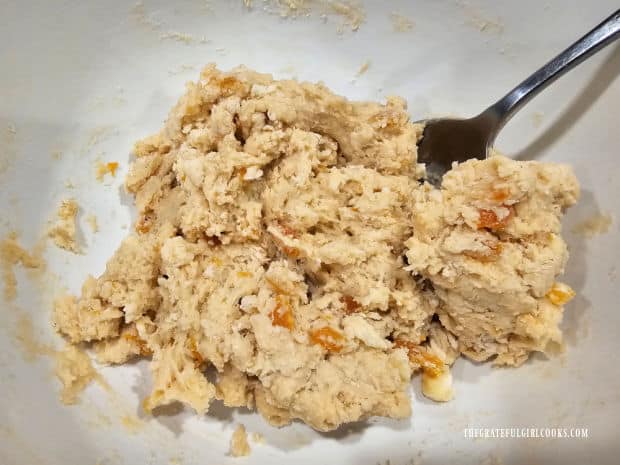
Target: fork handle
498	114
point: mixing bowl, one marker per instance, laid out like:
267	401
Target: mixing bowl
80	81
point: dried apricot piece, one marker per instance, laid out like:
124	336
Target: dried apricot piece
495	251
431	364
112	167
196	355
144	224
282	314
488	219
287	230
327	337
350	304
500	195
292	252
132	336
560	294
105	168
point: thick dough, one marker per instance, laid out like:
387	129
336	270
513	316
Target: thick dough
283	238
489	243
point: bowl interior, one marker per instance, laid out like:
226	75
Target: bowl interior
81	81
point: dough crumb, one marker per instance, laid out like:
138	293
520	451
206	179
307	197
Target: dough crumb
106	168
56	155
363	68
75	371
401	23
239	446
11	254
352	13
597	224
65	229
92	222
177	36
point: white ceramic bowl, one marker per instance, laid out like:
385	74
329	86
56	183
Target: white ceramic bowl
88	78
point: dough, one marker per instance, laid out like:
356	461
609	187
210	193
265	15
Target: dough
489	243
283	238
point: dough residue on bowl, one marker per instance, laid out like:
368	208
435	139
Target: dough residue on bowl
75	371
284	239
93	223
351	13
239	446
593	226
12	254
401	23
8	148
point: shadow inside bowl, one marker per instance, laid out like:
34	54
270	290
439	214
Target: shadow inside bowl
600	81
